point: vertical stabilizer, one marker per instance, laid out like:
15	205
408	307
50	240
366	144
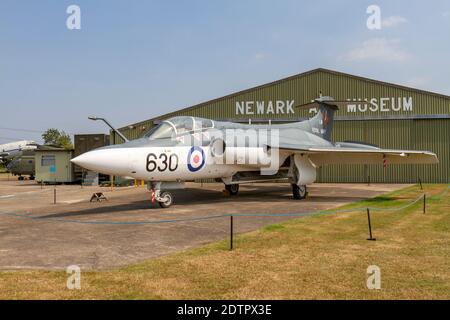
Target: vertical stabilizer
322	122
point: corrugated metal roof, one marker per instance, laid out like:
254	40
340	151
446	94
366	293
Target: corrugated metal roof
293	77
51	148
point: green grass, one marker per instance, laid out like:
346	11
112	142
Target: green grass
322	256
273	227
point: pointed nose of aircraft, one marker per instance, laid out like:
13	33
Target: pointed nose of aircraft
113	161
86	160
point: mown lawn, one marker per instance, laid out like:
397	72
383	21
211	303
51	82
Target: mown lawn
323	256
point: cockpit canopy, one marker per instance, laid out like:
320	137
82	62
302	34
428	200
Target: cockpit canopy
173	127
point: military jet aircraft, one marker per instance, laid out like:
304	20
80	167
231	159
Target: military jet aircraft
185	148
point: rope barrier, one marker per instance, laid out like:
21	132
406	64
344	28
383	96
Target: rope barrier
17	215
442	194
293	214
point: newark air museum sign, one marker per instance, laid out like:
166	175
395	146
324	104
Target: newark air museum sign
356	105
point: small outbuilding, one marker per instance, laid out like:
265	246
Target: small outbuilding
85	143
53	165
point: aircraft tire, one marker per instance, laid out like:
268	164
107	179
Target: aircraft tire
168	202
299	192
20	178
233	189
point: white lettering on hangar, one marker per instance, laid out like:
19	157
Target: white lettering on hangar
398	104
265	107
395	104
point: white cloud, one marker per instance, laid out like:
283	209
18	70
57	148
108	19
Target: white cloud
378	49
392	21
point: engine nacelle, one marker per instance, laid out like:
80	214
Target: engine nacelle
305	170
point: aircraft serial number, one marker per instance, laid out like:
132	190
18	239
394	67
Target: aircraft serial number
162	163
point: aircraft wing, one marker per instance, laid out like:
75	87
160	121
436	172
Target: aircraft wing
360	155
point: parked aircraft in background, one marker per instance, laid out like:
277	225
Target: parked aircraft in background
23	164
186	149
10	150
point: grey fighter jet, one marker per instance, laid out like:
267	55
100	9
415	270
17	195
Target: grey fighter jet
184	149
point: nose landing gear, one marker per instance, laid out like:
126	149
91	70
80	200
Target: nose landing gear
164	198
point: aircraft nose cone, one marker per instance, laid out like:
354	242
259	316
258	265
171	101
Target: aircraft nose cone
107	161
84	160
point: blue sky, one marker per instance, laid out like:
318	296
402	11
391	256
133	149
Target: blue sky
133	60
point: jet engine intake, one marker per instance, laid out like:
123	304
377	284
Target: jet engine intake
218	148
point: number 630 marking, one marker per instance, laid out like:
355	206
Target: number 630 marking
162	163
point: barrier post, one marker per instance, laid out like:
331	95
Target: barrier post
231	232
424	203
420	182
54	192
370	226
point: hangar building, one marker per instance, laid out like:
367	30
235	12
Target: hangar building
384	114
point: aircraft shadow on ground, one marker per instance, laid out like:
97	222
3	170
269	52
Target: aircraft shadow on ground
188	197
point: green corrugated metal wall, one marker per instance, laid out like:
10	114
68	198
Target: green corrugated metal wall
429	134
407	132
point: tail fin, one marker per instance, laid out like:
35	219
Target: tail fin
322	122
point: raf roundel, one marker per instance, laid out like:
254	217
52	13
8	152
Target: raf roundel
196	159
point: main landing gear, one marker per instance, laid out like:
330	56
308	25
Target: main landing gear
233	189
299	192
301	172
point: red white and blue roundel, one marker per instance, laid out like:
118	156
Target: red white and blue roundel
196	159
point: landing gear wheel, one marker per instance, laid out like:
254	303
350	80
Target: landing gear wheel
167	199
20	178
299	192
31	177
233	189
